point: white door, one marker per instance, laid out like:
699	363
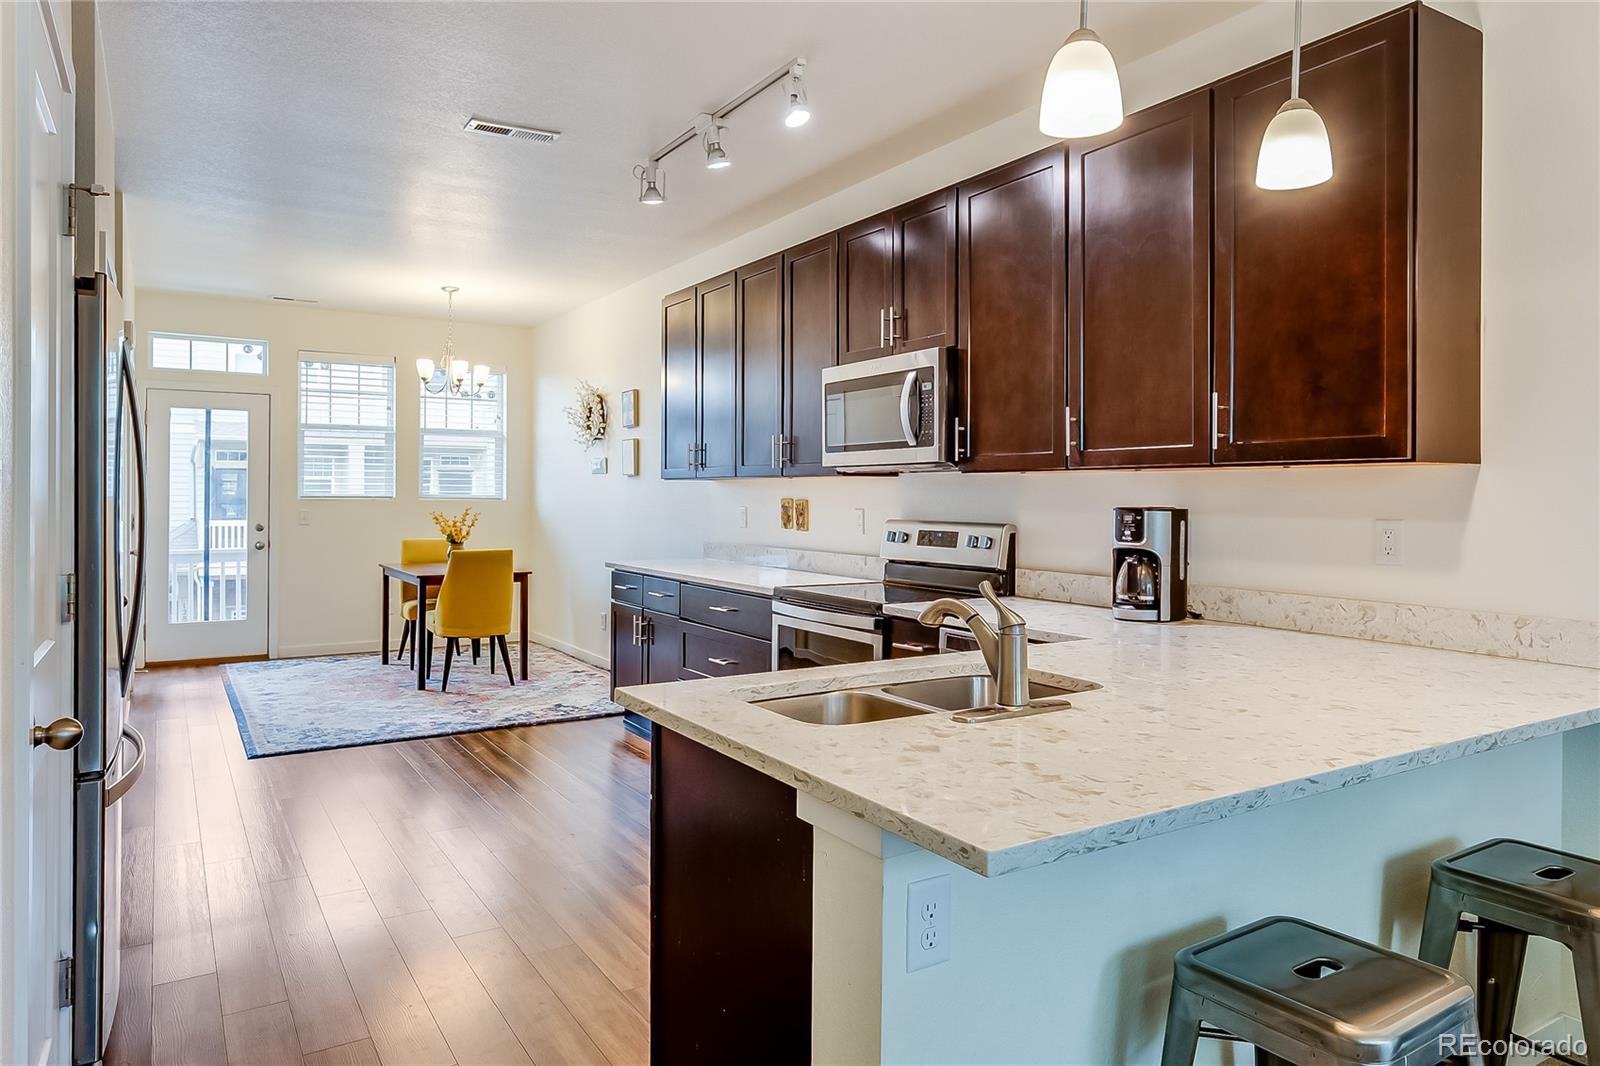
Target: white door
36	490
208	532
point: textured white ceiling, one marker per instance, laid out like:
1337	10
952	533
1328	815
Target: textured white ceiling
315	149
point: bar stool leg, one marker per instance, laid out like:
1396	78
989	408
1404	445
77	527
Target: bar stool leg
1183	1028
1586	963
1501	950
1439	926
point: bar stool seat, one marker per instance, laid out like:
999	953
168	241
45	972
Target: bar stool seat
1309	995
1516	890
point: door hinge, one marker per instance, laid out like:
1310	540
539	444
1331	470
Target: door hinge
70	228
69	597
64	977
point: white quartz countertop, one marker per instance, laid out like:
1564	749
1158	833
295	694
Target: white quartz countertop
1193	722
740	577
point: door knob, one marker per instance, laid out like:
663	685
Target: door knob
260	544
62	734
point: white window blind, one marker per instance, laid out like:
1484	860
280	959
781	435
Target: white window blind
346	428
464	444
229	355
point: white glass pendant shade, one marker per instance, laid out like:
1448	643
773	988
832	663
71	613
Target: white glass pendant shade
1082	94
425	369
480	374
458	370
1295	153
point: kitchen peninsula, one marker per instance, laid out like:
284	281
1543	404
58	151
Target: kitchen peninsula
1218	773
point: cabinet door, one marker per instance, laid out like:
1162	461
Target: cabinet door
663	648
1013	295
866	288
810	343
758	348
719	377
922	312
680	419
1312	334
627	656
1139	290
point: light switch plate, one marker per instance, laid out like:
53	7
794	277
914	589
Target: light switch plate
597	465
802	515
744	518
927	922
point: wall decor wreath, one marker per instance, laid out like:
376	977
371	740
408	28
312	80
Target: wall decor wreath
587	415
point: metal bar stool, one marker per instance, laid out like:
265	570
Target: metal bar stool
1516	890
1308	995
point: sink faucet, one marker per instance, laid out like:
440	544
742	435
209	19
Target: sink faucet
1005	650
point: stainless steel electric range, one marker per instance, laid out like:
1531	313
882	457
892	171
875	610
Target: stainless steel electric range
826	625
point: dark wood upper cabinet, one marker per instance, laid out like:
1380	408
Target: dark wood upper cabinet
1139	289
922	306
719	377
866	288
810	343
680	386
1013	294
1347	313
759	355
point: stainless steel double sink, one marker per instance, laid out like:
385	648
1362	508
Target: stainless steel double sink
970	697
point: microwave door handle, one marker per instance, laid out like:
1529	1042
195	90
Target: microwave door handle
907	395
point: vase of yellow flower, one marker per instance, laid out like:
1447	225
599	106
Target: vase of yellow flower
455	528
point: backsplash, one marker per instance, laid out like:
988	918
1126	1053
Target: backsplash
1516	636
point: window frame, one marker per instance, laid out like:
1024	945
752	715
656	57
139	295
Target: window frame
392	432
497	437
152	335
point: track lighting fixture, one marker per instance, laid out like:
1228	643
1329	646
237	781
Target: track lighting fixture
799	112
711	137
1295	153
651	179
1082	94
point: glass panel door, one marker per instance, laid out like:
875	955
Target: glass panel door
208	497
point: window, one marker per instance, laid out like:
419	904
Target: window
346	427
464	444
229	355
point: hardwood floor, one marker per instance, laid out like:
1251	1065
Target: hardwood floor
472	899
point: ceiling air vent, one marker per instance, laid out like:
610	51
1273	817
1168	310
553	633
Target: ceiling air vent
507	129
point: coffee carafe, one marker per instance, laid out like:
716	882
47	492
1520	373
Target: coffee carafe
1150	564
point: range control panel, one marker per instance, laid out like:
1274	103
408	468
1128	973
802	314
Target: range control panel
976	544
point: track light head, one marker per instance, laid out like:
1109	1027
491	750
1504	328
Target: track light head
711	128
799	112
651	181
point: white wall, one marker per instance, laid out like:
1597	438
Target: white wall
324	589
1521	532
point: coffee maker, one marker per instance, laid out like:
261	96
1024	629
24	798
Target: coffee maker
1150	564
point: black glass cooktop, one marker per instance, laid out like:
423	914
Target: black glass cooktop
869	597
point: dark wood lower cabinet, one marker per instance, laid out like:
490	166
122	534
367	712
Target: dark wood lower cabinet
627	654
730	911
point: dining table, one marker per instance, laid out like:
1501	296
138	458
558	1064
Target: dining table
424	576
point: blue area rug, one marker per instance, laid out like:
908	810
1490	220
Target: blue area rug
290	705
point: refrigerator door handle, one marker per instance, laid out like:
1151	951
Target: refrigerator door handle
131	775
130	639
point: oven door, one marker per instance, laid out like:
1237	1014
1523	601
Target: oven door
804	637
887	414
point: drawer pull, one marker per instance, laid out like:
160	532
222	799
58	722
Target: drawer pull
721	609
624	588
659	595
904	645
721	662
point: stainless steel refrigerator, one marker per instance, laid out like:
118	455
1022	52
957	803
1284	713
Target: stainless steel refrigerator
108	605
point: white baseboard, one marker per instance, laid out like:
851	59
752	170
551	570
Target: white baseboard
573	650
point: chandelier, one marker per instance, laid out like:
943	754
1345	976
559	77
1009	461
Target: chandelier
452	374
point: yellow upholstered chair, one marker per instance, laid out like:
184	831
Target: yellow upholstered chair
474	603
412	552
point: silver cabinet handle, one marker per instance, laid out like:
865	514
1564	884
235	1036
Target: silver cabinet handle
905	645
722	610
1217	407
883	315
624	588
785	450
638	631
772	451
1072	440
893	338
720	662
659	595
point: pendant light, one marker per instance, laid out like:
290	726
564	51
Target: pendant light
451	374
1295	153
1082	94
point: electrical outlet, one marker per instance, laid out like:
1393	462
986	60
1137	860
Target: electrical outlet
305	517
861	519
744	518
802	515
786	512
927	922
1389	543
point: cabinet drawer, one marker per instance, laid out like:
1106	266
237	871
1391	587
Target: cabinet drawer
710	652
626	587
909	638
733	611
660	595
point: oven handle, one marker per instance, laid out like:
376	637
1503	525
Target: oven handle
907	394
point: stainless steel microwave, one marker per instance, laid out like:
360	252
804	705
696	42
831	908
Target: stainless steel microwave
891	413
